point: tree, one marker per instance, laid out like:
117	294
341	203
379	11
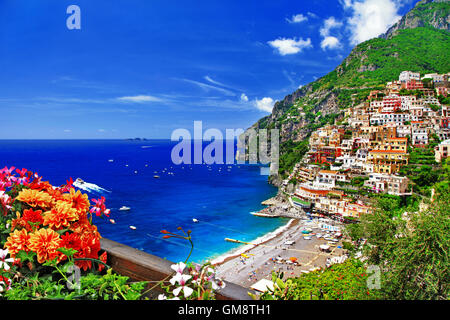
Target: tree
412	251
419	265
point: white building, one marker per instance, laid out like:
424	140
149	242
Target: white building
419	136
408	102
403	131
390	184
434	76
378	119
408	76
442	150
427	100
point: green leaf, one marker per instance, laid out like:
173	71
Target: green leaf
67	251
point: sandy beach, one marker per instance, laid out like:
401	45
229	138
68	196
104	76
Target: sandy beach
273	255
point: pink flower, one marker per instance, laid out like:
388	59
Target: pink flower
99	208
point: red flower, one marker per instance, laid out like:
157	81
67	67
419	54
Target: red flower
33	216
103	257
71	240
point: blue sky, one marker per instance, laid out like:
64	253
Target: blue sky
141	68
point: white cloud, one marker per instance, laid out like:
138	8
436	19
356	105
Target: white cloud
290	46
370	18
67	131
330	42
297	18
328	24
139	99
209	79
312	15
265	104
101	130
208	87
244	97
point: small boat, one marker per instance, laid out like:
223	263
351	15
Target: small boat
110	160
112	221
307	238
195	220
133	227
156	177
124	208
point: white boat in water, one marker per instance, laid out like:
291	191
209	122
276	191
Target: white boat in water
89	187
124	208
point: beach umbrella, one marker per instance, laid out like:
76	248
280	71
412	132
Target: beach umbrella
293	259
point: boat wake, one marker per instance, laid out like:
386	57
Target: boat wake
88	187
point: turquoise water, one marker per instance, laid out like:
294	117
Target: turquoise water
220	197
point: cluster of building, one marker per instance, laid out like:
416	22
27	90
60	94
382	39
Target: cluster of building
371	146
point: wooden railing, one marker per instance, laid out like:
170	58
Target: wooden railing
141	266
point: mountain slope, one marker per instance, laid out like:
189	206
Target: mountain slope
369	66
426	13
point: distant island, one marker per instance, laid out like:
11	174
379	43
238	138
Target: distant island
136	139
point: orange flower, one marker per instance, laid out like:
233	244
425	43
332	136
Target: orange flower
19	223
35	198
79	201
60	215
45	242
17	241
56	194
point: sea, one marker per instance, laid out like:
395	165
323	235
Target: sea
213	201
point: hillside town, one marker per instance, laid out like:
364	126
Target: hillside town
365	152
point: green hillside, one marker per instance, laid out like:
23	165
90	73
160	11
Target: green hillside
378	60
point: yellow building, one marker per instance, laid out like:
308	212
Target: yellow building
387	161
394	144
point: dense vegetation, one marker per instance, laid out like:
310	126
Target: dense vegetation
412	251
346	281
423	50
291	153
